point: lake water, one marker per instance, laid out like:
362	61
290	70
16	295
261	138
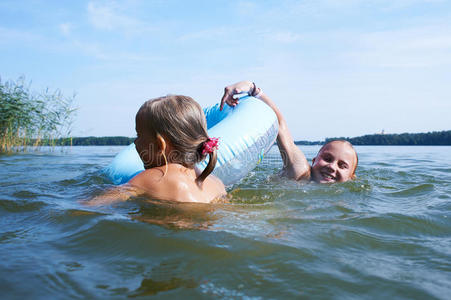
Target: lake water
387	234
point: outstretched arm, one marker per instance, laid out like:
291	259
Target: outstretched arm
113	195
295	165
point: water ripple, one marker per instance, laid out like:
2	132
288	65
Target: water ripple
386	234
418	190
21	205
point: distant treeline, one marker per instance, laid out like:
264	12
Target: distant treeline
95	141
436	138
102	141
309	143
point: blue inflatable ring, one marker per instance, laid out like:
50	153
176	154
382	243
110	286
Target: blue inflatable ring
246	132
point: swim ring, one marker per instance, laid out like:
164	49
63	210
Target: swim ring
246	132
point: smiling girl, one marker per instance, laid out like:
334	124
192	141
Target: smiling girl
335	162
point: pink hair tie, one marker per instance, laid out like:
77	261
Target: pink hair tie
210	145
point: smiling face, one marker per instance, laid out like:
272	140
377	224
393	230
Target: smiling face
336	162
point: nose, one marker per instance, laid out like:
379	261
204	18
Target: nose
332	167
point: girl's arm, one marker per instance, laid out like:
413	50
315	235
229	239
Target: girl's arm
295	165
117	194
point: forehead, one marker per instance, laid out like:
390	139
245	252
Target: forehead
340	150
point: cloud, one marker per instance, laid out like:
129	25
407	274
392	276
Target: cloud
246	8
216	33
65	28
106	15
414	47
373	3
39	41
283	37
100	52
8	35
401	4
96	50
322	8
242	34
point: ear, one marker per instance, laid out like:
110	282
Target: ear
161	143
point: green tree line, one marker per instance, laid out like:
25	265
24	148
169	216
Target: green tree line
435	138
96	141
408	139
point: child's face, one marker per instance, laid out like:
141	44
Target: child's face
336	162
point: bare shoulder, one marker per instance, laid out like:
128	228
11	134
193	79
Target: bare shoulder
298	172
177	186
188	190
217	184
147	179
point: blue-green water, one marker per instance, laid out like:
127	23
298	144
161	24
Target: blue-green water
387	234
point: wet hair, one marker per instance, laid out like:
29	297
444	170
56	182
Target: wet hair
347	143
181	121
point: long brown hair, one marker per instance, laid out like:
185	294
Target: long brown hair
180	120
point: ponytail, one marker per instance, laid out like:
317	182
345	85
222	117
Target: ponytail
210	167
210	146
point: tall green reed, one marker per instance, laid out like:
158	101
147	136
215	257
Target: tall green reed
32	119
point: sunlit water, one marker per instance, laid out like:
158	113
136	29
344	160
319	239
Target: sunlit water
387	234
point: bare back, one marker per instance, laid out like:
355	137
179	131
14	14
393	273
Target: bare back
178	184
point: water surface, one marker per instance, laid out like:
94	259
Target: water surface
387	234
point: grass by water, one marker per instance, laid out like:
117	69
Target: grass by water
32	119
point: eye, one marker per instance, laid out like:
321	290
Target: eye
343	165
328	158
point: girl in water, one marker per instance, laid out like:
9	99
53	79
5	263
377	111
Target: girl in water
336	161
171	139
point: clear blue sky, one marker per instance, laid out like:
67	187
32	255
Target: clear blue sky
335	67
